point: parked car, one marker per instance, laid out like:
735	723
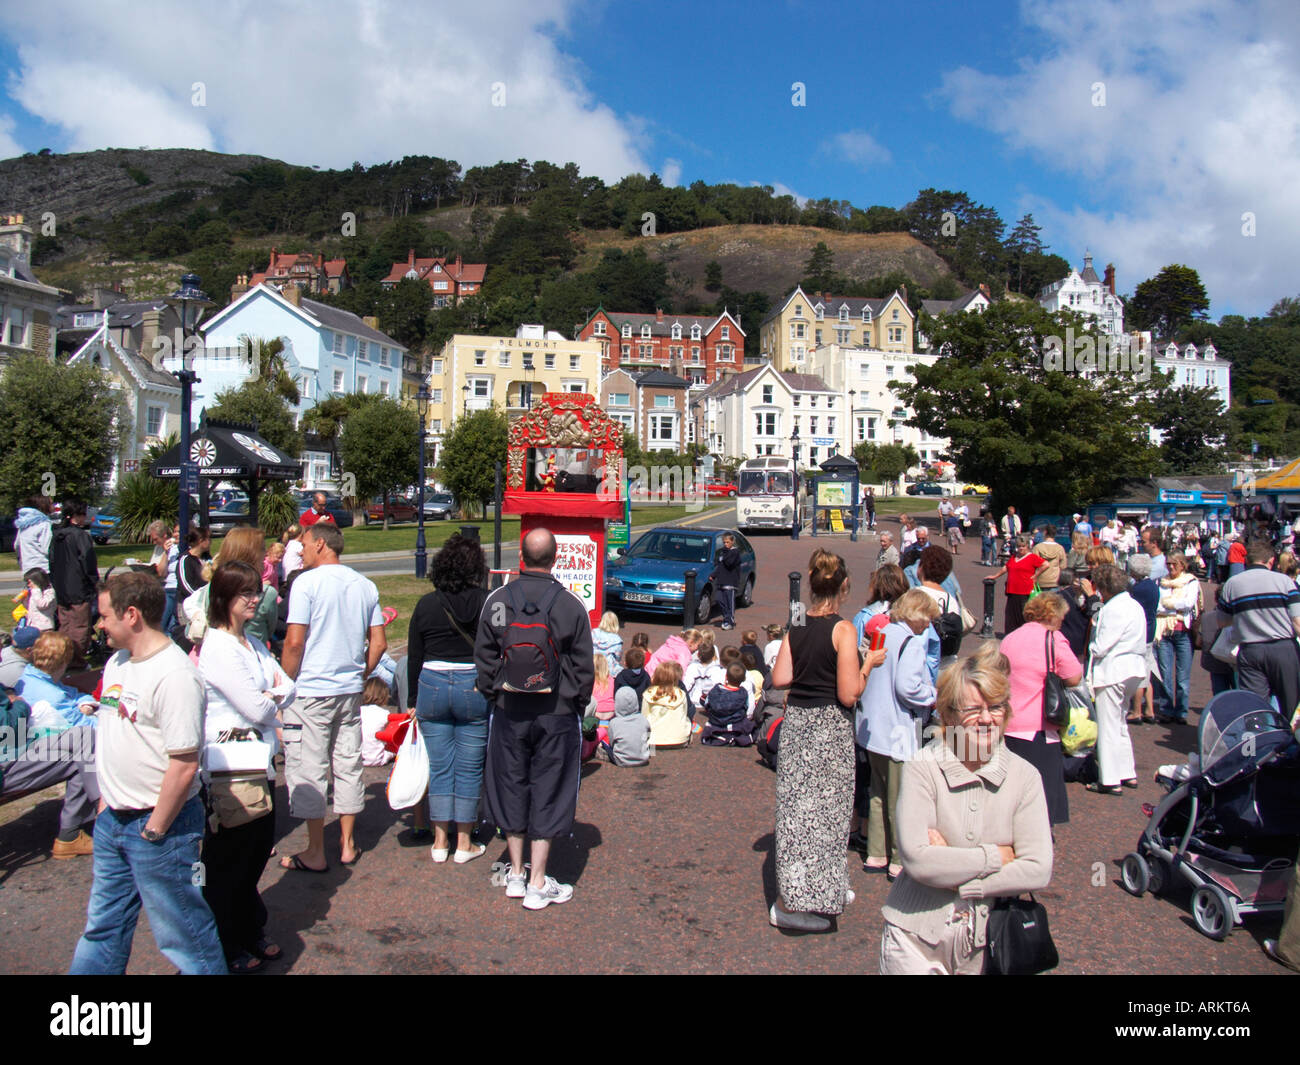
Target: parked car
439	506
333	505
223	519
976	490
925	488
651	573
399	509
719	488
103	525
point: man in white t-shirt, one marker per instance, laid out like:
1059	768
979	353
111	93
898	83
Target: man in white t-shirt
150	824
334	640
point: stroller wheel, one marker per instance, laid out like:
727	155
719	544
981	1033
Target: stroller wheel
1135	874
1211	911
1161	876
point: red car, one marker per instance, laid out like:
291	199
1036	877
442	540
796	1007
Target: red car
718	488
399	509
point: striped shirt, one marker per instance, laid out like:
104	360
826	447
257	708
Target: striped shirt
1261	604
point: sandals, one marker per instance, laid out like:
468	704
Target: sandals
266	950
245	963
1102	789
1134	720
297	865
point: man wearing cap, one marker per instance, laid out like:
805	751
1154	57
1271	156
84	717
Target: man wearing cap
1083	525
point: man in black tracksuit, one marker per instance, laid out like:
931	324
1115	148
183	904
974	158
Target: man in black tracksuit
534	749
726	574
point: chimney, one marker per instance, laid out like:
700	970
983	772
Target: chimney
902	291
270	266
293	294
659	314
410	259
984	288
150	327
1110	278
239	287
371	321
458	264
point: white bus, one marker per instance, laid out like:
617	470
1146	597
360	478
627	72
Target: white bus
766	494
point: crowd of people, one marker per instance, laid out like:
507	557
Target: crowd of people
941	771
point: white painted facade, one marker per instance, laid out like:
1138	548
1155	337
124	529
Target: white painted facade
1085	293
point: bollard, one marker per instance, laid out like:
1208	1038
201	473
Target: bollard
794	523
796	606
470	532
688	600
990	583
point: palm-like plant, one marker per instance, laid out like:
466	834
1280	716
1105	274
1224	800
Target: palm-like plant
267	360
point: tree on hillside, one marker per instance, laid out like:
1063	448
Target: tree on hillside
1042	439
255	404
1023	242
379	445
713	276
470	453
1167	302
819	270
60	428
1194	428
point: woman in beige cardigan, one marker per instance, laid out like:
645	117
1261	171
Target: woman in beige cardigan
972	825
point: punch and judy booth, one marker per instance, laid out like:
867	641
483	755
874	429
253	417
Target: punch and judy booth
564	472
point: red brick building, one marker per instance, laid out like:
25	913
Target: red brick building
701	349
306	272
449	281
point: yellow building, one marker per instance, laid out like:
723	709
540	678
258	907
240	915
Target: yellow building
806	321
479	372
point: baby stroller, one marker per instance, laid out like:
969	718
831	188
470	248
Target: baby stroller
1230	824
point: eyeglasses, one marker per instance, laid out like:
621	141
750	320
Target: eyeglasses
972	713
251	597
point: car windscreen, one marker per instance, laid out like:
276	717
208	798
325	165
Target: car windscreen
441	497
672	546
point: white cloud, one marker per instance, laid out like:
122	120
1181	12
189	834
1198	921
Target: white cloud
1201	123
8	146
859	148
779	189
320	85
672	172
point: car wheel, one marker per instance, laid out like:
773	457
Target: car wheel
746	597
731	494
704	608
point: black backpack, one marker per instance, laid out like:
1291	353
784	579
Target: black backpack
949	627
530	662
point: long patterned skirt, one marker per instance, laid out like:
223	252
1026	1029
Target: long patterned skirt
814	803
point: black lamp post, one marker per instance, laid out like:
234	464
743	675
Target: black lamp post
465	392
794	454
421	556
189	301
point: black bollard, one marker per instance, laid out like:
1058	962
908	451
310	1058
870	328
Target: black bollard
990	583
688	600
796	606
470	532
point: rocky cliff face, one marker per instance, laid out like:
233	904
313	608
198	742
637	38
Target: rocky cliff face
102	183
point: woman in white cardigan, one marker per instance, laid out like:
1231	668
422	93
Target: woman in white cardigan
1117	664
245	689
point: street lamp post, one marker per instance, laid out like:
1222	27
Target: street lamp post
189	301
794	454
465	392
421	556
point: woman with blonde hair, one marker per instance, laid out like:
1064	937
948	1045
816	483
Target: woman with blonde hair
607	641
972	827
664	705
820	664
602	689
1099	556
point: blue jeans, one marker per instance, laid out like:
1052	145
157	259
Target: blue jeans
453	719
130	870
987	554
169	612
1174	653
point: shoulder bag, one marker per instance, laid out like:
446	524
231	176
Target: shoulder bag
1019	941
1056	703
239	790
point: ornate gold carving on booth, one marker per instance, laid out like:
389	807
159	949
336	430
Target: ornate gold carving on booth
564	420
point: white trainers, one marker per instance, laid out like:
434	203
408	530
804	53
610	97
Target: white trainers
552	891
516	886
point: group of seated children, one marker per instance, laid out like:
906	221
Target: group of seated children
652	702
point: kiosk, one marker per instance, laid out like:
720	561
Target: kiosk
835	497
564	472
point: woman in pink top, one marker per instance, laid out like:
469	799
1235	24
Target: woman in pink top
1026	733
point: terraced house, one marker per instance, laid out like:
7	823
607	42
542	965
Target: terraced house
701	349
806	321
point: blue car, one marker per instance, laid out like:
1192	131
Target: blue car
651	574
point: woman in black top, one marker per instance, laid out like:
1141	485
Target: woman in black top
452	714
820	662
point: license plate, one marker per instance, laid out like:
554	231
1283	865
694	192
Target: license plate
638	597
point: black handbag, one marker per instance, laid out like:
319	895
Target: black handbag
1019	941
1056	703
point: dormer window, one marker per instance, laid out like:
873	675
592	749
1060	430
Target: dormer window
866	315
1210	351
695	332
820	311
844	312
627	330
437	268
677	332
645	331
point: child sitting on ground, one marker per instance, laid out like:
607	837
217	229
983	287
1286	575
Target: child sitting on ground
629	732
773	645
634	676
607	642
664	705
602	692
704	673
41	686
730	712
753	675
749	646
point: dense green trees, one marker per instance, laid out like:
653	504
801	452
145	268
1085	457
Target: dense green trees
1168	302
379	445
470	453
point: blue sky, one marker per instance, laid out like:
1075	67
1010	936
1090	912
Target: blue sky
1189	153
